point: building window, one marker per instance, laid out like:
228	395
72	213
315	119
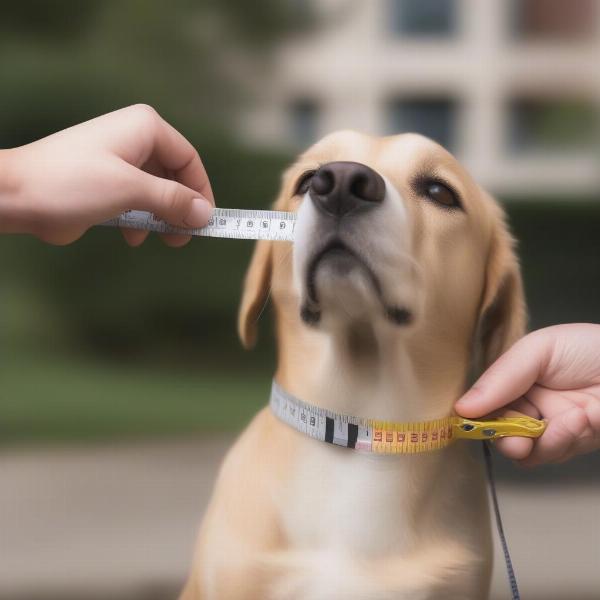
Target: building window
433	117
552	125
423	17
566	19
304	121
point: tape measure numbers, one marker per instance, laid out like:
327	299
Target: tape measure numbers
232	223
383	437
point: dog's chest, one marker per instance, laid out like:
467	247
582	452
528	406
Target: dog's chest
344	500
353	524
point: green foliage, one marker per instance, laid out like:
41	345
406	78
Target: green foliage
59	20
62	62
559	252
52	398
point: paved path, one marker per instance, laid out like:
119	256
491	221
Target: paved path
119	522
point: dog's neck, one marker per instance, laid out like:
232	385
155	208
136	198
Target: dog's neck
371	374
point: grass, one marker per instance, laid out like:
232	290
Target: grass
54	398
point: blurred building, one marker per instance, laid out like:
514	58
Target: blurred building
510	86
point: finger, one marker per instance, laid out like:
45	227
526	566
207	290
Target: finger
585	444
593	414
519	407
169	200
566	457
515	447
172	151
59	236
153	167
175	240
510	377
134	237
549	403
590	439
562	432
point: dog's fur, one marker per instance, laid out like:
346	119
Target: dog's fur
295	518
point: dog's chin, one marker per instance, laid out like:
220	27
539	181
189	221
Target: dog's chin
343	290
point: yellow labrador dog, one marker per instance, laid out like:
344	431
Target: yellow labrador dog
401	276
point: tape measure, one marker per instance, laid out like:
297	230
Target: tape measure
232	223
384	437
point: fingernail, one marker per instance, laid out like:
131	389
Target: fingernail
200	213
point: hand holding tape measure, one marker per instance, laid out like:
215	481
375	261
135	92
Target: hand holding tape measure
58	187
552	373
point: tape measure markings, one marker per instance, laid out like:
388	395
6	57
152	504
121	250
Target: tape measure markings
232	223
384	437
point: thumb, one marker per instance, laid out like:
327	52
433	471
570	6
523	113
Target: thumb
170	200
509	378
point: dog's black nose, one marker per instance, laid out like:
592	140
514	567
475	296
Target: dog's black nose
338	188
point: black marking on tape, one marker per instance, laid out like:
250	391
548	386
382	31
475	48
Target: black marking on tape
352	435
329	430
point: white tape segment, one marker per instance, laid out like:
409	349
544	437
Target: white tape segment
233	223
319	423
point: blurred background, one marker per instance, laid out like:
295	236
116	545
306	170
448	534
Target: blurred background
122	380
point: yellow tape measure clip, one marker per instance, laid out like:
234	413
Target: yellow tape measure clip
492	429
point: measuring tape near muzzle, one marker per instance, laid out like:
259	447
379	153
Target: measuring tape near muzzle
231	223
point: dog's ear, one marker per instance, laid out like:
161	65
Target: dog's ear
255	292
257	283
503	314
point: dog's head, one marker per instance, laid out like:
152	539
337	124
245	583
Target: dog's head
392	234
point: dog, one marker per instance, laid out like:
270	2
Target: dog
402	281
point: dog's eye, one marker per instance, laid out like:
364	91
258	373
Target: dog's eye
303	183
439	193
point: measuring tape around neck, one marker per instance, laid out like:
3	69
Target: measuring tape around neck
385	437
232	223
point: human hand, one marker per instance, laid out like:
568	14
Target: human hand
552	373
59	186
